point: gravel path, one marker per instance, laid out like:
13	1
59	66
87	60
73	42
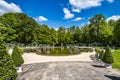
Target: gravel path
34	58
66	71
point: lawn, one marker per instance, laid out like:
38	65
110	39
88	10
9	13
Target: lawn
116	56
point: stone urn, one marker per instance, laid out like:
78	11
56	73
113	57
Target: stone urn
108	65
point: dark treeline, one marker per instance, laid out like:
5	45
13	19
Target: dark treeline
19	28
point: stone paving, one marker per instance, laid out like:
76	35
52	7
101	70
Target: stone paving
66	71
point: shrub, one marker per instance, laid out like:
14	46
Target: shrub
58	52
17	57
101	55
86	49
21	51
108	58
7	68
97	50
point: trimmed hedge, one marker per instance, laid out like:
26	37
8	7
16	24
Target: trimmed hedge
17	57
101	55
108	58
58	52
7	68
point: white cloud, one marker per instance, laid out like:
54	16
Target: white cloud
110	1
77	19
41	19
6	7
78	5
114	17
67	13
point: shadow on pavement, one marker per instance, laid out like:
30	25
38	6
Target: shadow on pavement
112	77
98	66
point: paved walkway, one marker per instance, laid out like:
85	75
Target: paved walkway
34	58
76	67
66	71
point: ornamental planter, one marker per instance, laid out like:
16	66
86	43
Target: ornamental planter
108	65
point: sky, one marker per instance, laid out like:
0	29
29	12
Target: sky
66	13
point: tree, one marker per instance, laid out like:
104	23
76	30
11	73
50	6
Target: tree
69	38
17	57
111	22
61	36
78	35
20	27
7	68
108	58
86	38
2	32
95	21
53	36
116	32
101	55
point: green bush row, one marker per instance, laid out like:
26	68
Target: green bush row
7	67
105	56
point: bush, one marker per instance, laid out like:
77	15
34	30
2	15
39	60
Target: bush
101	55
108	58
58	52
97	50
17	57
7	68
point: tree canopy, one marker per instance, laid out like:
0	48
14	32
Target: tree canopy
20	28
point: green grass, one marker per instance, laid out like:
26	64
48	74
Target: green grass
116	56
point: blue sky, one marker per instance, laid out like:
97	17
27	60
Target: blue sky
56	13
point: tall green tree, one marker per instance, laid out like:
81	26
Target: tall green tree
116	32
111	22
78	35
20	27
61	35
95	21
69	37
85	34
53	36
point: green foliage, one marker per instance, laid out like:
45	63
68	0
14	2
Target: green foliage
116	57
20	28
111	22
7	68
101	55
59	52
108	58
116	32
86	49
97	50
96	22
17	57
